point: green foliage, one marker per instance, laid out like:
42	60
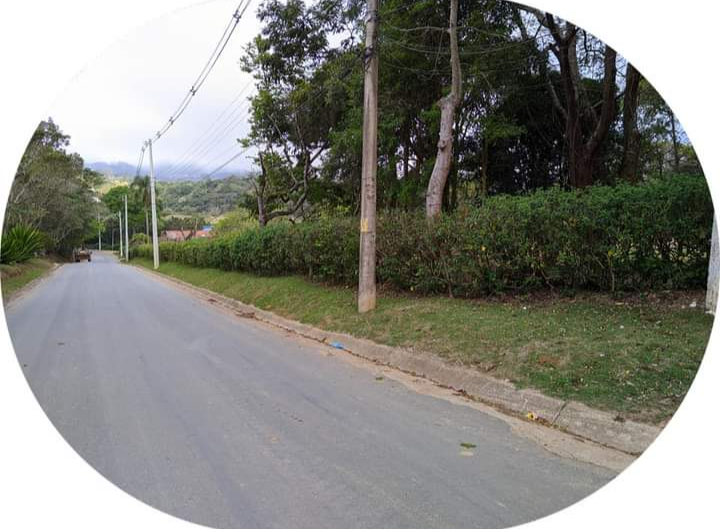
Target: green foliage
208	197
652	236
19	244
52	191
234	221
183	223
510	130
139	239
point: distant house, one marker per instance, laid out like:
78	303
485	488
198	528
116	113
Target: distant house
184	235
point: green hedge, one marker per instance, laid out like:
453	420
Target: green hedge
652	236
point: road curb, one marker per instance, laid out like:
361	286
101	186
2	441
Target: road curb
601	427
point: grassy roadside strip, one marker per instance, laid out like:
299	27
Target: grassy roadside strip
16	276
636	356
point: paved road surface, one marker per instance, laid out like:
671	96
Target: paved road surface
227	423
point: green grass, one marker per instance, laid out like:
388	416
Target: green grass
637	356
16	276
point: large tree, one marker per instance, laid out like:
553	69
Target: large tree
448	107
630	164
53	191
586	126
298	101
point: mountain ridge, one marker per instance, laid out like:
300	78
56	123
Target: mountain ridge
124	170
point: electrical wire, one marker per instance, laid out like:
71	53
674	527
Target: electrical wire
318	93
207	69
211	133
202	150
140	162
211	173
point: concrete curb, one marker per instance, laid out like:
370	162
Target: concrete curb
573	417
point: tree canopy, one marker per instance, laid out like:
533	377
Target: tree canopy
53	192
542	103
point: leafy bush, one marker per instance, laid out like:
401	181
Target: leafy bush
139	239
235	221
651	236
20	243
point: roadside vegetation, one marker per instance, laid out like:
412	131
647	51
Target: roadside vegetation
52	199
623	238
636	354
15	276
20	243
541	214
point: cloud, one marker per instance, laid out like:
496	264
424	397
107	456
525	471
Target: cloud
125	95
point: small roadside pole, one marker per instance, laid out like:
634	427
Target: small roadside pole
713	283
121	234
127	240
366	285
156	247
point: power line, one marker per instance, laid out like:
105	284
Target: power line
140	162
202	150
228	162
207	69
208	140
306	104
431	50
210	134
223	154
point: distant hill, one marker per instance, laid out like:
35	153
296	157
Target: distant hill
125	170
117	169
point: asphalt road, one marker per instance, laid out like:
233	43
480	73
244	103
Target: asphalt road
224	422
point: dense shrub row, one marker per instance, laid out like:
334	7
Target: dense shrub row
656	235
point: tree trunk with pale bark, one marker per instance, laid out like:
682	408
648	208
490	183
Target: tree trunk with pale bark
448	106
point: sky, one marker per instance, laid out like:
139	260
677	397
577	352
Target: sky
131	89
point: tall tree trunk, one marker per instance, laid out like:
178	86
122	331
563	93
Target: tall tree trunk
629	167
448	106
147	223
485	160
262	217
582	152
675	143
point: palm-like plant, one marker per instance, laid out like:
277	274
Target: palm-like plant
20	244
141	188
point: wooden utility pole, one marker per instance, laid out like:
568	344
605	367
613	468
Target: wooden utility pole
153	208
366	287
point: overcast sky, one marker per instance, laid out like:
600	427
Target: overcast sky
129	92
